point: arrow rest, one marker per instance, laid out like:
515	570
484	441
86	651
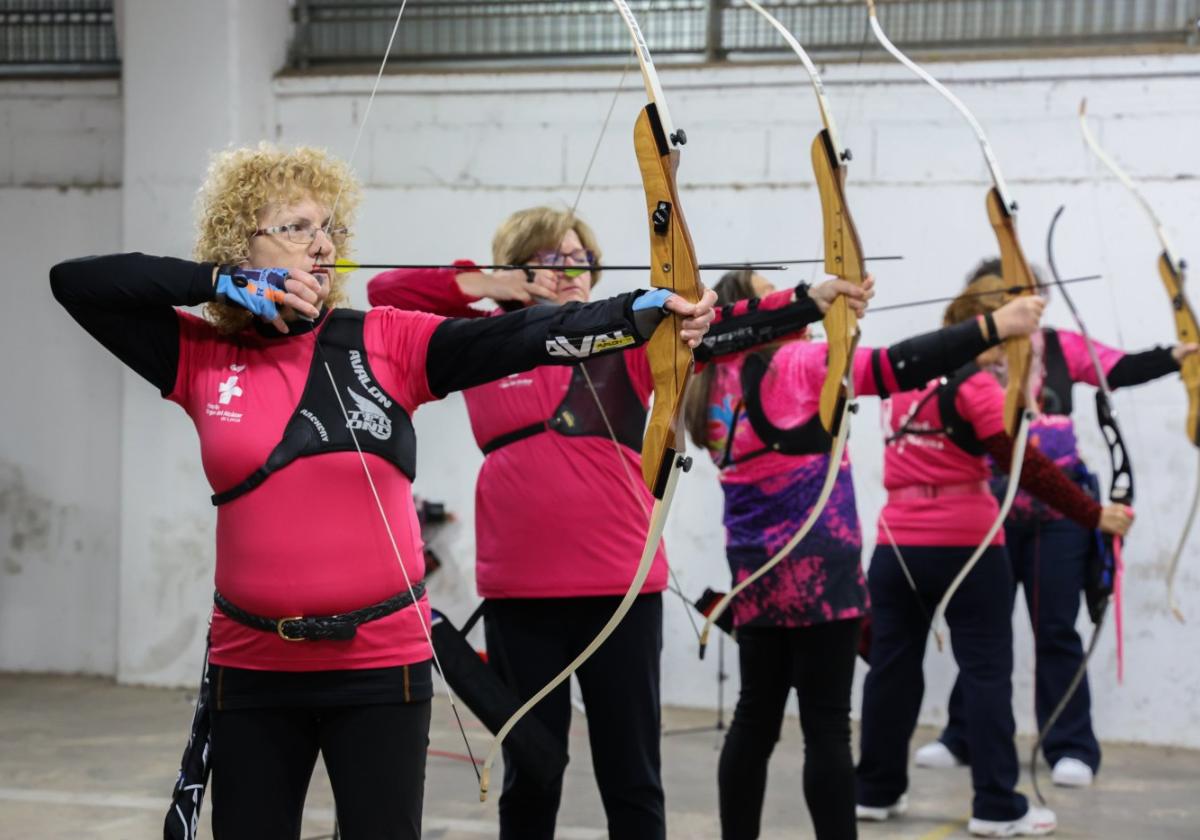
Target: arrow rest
679	137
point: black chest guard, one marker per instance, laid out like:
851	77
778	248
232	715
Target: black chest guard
954	425
809	438
318	425
578	414
1056	388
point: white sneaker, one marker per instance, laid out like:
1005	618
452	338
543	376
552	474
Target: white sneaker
883	813
1036	823
937	756
1071	772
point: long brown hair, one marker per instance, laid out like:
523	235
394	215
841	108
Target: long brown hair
732	287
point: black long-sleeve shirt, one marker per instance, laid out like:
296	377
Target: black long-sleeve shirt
127	303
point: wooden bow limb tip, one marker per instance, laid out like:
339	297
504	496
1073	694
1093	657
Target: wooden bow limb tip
1172	272
674	267
843	259
1016	273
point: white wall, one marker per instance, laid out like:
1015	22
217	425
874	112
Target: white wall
59	197
204	87
446	156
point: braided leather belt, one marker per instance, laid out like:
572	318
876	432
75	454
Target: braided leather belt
336	628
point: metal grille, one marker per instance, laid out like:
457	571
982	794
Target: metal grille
339	31
57	36
349	32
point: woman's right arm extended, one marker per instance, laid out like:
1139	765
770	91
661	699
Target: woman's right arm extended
127	303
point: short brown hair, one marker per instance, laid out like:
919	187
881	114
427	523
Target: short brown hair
526	232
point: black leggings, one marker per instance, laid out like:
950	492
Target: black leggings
529	641
262	760
818	661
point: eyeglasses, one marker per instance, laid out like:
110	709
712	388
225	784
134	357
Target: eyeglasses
557	258
303	233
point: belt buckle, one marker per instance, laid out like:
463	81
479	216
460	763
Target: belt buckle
279	628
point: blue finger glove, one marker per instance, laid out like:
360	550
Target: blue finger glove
648	311
252	288
653	299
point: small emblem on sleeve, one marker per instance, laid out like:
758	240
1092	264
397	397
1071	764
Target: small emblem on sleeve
588	345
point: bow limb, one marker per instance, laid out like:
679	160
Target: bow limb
1171	270
843	248
673	262
1120	490
843	259
1018	400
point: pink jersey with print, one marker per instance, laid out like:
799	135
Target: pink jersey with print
309	540
555	516
1053	434
923	460
768	497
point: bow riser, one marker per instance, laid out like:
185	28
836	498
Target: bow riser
674	267
1187	331
843	259
1016	273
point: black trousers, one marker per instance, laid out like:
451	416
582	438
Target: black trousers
263	758
980	623
1049	560
817	661
529	641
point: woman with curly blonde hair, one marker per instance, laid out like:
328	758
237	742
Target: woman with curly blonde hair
319	640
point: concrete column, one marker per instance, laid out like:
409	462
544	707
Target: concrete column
197	78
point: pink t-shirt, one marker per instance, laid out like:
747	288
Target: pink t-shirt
557	516
924	460
790	394
309	540
1051	433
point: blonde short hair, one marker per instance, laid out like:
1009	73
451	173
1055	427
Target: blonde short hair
242	183
526	232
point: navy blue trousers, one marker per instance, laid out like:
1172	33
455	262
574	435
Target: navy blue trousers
1049	561
980	623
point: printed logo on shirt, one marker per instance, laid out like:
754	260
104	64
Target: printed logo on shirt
317	424
514	380
582	348
369	417
226	391
360	370
908	421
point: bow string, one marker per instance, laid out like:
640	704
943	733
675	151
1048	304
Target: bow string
843	259
1018	401
1172	271
673	267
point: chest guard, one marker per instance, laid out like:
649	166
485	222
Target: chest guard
1056	388
809	438
318	425
954	425
578	415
